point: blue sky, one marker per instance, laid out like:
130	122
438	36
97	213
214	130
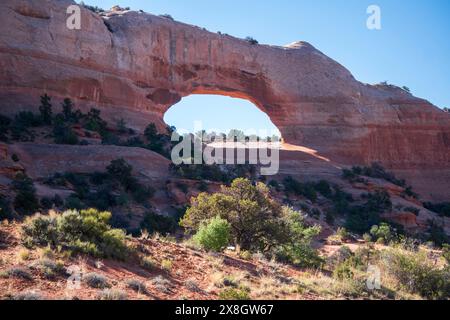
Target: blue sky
412	49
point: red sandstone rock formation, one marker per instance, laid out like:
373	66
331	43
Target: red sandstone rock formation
136	65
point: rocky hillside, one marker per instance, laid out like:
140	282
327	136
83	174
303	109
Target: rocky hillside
164	269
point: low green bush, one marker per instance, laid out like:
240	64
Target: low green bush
213	235
85	231
234	294
25	201
415	272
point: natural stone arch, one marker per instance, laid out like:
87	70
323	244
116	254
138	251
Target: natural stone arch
136	65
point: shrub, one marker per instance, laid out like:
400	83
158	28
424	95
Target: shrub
5	208
213	235
95	280
374	171
167	16
28	296
166	265
25	201
19	273
234	294
94	122
155	223
5	122
161	284
324	188
192	286
148	264
296	248
343	234
383	232
443	209
343	271
112	294
306	190
446	252
85	231
26	119
251	40
136	285
254	217
63	134
121	171
50	269
415	272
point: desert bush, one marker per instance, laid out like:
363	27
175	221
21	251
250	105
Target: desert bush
213	235
415	272
343	234
94	121
166	265
162	284
167	16
254	217
25	201
235	294
136	285
251	40
148	264
324	188
155	223
112	294
85	231
95	280
192	285
383	233
5	208
343	271
50	269
245	255
296	248
28	295
17	272
306	190
63	133
120	170
258	223
443	209
374	171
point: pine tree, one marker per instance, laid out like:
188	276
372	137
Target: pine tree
46	109
67	106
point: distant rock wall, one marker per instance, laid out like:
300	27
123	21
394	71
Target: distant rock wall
136	66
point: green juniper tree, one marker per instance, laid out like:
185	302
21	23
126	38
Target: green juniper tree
46	109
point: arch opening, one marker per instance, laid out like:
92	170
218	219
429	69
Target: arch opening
220	114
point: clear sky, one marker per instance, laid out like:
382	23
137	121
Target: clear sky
412	49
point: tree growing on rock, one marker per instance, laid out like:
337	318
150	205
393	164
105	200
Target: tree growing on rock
46	109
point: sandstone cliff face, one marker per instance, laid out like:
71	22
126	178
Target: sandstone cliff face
136	65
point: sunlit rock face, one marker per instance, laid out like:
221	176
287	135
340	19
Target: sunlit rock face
135	66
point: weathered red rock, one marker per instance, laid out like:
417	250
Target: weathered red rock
135	66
